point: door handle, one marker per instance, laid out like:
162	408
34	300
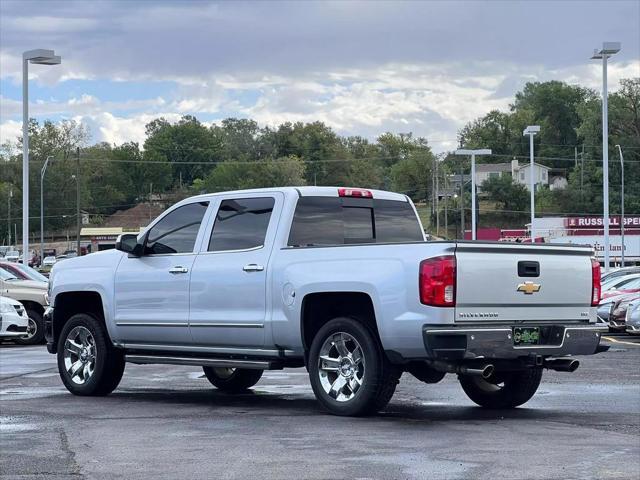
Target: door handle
252	267
178	269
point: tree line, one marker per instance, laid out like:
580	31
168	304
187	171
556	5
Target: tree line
189	157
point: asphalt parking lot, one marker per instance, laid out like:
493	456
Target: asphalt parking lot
168	422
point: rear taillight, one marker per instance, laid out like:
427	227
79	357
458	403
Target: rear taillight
354	192
438	281
596	288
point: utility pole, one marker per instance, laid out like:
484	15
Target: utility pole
531	130
437	199
474	212
461	202
78	197
150	195
582	177
42	172
621	205
9	213
608	49
433	190
446	202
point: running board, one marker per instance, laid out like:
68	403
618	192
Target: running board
200	362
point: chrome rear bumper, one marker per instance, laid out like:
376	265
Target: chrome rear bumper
467	343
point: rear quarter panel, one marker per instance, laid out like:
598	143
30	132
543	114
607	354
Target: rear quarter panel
388	274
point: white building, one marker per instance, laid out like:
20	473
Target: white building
521	173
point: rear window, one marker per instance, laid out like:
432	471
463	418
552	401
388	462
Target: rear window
343	220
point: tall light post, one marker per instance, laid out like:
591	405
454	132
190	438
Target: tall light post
37	57
621	204
608	49
42	172
531	130
9	213
473	153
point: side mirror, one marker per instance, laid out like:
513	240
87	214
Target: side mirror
128	243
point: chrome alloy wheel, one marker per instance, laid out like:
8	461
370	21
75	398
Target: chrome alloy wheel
80	355
32	328
341	366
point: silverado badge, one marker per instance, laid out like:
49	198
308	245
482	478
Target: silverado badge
529	288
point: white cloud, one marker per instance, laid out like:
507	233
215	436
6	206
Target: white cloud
39	24
10	130
109	128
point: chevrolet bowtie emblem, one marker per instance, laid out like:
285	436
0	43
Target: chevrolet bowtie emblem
529	288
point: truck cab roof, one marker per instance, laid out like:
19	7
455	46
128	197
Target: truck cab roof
306	191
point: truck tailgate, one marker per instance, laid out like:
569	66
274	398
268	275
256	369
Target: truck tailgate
505	282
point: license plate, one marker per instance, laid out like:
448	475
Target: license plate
526	335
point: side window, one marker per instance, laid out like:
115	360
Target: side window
177	231
241	224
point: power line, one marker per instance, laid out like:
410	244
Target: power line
302	159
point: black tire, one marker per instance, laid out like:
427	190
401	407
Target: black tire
378	376
35	322
108	364
502	390
232	380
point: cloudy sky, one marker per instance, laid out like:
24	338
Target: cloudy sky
361	67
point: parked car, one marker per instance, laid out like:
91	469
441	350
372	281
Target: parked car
621	285
613	310
23	272
619	272
48	263
12	256
13	319
339	280
33	295
632	321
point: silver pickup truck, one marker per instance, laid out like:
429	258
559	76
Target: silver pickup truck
338	280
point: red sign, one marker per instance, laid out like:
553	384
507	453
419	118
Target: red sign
632	221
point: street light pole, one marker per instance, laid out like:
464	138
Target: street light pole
39	57
462	202
42	172
9	213
78	199
608	49
621	204
473	153
531	130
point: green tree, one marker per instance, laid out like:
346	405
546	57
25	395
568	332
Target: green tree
188	146
510	197
284	171
413	175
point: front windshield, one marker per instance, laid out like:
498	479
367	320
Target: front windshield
4	275
32	273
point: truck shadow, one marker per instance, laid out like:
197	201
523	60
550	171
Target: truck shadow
258	402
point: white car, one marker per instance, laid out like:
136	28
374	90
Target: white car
12	256
13	318
49	261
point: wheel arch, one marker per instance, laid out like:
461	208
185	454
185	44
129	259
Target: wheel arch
320	307
68	304
32	305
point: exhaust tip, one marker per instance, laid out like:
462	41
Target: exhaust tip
488	370
573	365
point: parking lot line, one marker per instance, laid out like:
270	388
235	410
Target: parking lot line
621	341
